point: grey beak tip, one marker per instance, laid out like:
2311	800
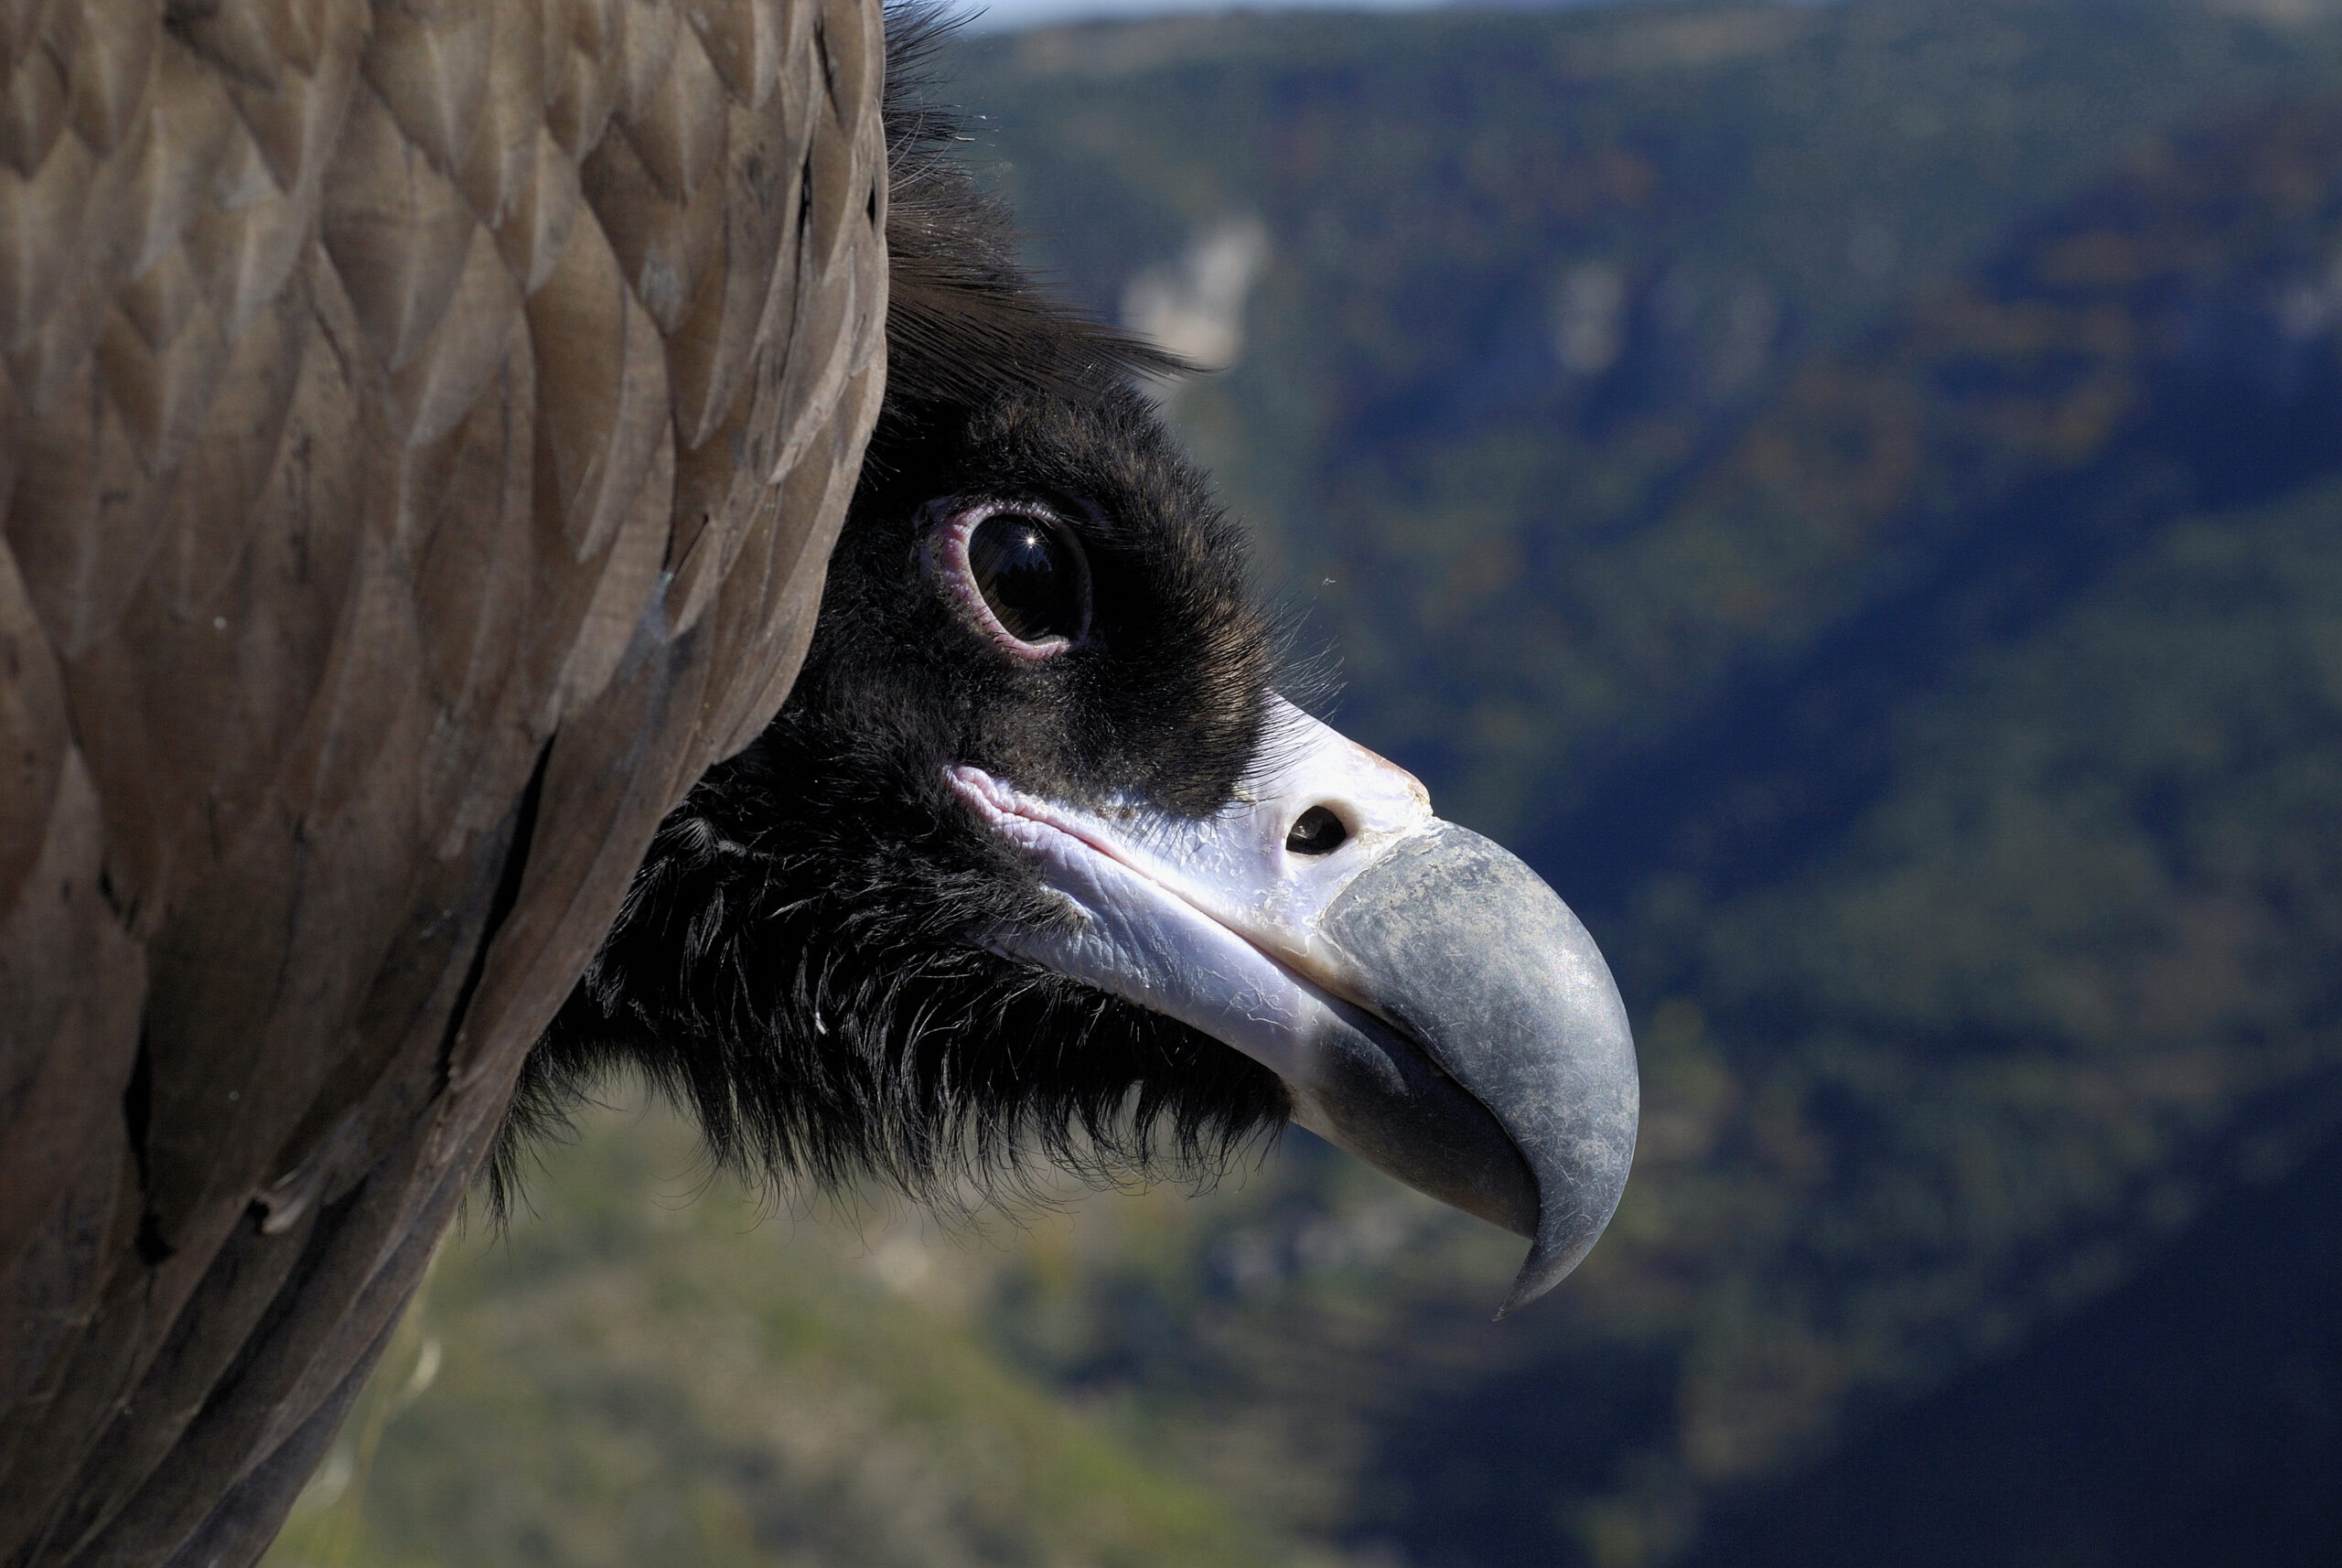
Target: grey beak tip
1538	1274
1553	1259
1500	984
1545	1267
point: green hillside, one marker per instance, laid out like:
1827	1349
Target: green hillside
1855	493
1703	198
658	1369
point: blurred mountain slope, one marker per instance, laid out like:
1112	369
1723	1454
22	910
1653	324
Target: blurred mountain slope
2164	1425
654	1367
1528	275
2066	990
1845	489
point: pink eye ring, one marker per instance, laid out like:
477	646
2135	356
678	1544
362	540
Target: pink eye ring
1019	573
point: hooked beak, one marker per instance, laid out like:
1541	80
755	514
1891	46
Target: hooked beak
1429	1003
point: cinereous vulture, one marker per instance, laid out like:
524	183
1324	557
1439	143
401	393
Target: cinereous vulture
427	427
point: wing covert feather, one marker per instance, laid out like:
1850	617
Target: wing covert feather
423	429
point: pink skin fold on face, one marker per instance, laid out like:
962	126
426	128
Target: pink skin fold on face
1213	921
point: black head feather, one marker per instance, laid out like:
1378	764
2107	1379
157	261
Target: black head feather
964	318
802	959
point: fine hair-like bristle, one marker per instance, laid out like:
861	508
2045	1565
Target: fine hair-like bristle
800	962
962	314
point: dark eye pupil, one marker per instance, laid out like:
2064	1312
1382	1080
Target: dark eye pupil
1026	573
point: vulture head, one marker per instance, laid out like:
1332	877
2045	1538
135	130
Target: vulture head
1036	857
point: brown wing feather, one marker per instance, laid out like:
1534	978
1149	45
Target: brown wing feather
423	431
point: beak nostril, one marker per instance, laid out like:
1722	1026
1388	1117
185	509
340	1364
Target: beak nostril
1317	831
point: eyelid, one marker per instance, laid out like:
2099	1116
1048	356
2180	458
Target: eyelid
946	555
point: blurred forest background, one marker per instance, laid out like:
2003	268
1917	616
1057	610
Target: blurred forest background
1853	494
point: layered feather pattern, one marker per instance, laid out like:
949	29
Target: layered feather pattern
423	427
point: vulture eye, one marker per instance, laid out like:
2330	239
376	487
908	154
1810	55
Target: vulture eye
1029	572
1024	574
